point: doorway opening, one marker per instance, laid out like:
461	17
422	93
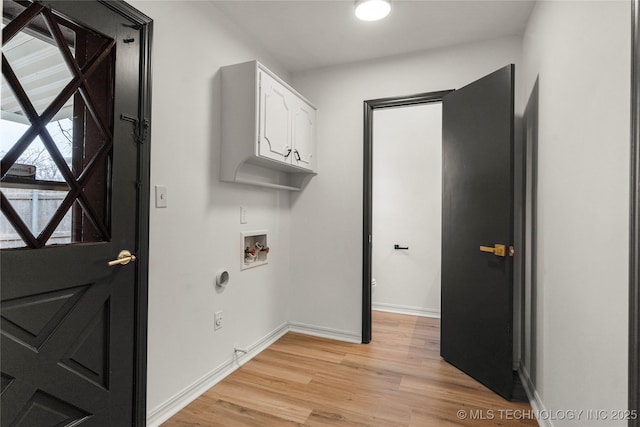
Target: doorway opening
477	199
369	108
407	209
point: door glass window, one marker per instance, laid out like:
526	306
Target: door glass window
55	129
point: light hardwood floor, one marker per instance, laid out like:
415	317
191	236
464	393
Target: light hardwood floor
397	380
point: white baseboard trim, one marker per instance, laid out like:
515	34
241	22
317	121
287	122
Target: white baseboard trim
318	331
163	412
404	309
534	398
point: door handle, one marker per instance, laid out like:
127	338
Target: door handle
497	250
124	257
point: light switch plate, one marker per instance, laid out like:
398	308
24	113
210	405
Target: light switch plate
161	196
243	215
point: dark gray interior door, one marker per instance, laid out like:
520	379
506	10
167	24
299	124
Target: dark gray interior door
69	192
477	280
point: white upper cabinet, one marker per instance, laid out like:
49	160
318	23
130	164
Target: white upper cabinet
304	117
268	129
274	136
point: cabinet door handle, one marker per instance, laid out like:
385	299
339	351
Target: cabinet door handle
295	152
288	153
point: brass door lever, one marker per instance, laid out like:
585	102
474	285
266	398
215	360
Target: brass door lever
124	257
497	250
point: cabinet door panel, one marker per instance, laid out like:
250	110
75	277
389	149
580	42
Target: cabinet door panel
275	120
304	118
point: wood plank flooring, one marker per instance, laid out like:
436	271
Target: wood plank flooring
397	380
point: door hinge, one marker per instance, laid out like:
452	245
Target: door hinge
139	130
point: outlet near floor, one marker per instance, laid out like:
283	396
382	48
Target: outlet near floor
217	320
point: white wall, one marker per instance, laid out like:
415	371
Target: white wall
198	234
407	208
580	52
327	215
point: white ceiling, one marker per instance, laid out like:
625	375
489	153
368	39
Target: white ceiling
307	34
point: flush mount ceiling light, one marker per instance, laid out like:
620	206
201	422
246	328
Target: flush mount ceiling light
372	10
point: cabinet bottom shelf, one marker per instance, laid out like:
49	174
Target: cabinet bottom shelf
259	175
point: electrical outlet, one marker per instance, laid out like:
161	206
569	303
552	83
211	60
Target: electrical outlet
217	320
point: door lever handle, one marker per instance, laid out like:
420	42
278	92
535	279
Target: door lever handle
497	250
124	257
396	246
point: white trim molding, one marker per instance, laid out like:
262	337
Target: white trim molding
163	412
318	331
534	398
173	405
404	309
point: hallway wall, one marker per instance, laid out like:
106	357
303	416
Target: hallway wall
580	53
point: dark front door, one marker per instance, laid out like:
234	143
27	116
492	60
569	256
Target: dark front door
69	206
477	230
